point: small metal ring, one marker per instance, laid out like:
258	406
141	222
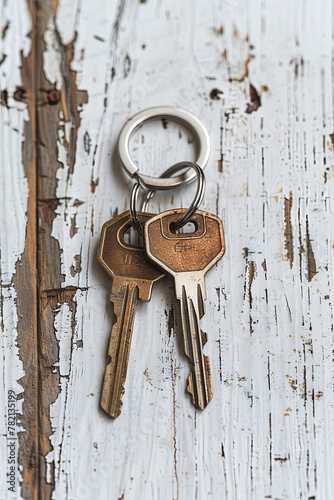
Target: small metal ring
180	115
133	211
184	219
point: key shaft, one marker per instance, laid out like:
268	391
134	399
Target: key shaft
124	296
187	257
133	278
192	310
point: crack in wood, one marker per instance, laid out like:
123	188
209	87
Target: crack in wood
288	232
311	264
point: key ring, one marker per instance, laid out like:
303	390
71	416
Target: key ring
182	221
180	115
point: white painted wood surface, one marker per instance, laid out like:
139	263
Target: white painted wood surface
268	432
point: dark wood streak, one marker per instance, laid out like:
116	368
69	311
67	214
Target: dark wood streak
250	274
311	265
288	234
50	279
38	298
49	274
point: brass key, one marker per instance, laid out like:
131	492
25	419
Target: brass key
187	257
133	277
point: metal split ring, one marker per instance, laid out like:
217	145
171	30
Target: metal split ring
180	115
184	219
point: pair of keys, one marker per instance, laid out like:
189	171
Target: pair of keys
186	257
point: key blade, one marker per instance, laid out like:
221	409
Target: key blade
199	380
187	257
133	278
125	297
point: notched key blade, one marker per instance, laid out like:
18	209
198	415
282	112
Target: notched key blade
187	257
133	277
202	401
125	298
199	380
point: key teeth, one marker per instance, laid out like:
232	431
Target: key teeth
200	298
119	348
112	413
107	395
207	394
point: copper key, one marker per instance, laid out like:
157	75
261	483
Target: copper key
133	278
187	257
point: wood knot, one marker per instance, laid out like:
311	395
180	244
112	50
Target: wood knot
53	97
19	94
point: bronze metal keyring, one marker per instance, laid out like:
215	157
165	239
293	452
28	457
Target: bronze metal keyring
182	221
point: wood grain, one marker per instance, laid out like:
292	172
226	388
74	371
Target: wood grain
57	109
260	77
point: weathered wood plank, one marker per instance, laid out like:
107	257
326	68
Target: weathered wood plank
58	117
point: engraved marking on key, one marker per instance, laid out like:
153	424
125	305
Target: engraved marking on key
187	257
133	277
